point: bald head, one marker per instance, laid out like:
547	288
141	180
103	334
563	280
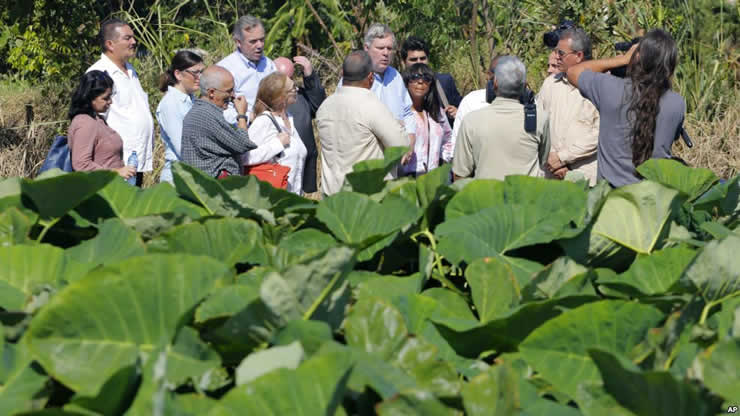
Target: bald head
356	67
284	66
215	77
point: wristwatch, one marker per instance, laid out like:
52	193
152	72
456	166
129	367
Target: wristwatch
244	116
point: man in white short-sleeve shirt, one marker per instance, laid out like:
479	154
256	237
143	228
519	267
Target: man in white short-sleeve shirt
247	64
129	113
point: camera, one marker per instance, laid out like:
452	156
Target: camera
621	71
552	38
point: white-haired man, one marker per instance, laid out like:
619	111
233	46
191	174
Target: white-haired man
248	64
493	142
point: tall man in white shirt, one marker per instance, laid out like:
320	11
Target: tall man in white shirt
248	64
129	113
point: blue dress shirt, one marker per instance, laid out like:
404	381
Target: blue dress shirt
170	113
247	77
391	91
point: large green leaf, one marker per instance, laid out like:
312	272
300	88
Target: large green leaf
317	290
722	197
316	388
633	219
114	242
657	273
414	403
230	240
470	338
526	211
227	301
97	325
378	328
194	185
561	278
721	369
27	269
302	246
360	222
368	177
558	349
121	200
494	287
262	362
21	383
650	393
593	400
691	181
716	269
53	197
10	193
264	199
15	225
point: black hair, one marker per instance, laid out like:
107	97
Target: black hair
92	85
356	66
650	70
413	43
431	103
180	62
108	30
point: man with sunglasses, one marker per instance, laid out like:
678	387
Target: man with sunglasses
416	51
574	121
209	142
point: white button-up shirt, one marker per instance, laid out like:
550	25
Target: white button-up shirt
170	114
247	77
129	113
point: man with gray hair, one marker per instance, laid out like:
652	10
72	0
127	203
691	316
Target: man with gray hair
388	85
209	142
353	124
493	142
248	64
574	120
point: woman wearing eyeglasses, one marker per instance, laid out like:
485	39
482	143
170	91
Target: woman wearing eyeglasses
273	130
432	128
93	145
180	82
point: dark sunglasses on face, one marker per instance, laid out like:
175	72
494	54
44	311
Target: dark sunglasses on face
423	77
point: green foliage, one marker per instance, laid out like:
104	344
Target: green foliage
218	296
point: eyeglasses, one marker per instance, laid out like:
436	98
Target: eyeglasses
562	54
195	74
229	91
425	78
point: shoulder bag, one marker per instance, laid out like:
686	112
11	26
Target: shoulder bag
273	173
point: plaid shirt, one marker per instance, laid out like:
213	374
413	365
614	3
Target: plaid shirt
210	143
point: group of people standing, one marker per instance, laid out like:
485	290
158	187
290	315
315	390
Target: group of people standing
251	112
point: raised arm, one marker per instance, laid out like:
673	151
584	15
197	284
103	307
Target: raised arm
600	65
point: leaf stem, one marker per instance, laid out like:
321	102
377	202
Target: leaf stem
47	227
322	296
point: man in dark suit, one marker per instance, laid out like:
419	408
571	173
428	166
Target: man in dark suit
309	98
414	51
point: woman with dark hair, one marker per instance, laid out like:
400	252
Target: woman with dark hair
92	144
640	116
274	132
432	128
180	82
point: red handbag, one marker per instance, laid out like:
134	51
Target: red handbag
273	173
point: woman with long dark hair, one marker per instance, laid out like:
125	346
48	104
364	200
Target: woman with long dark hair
432	128
179	82
92	144
640	116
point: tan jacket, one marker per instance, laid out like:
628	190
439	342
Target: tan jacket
574	125
354	125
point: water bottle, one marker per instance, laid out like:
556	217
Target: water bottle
133	160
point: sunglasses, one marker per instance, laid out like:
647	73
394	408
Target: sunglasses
426	78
